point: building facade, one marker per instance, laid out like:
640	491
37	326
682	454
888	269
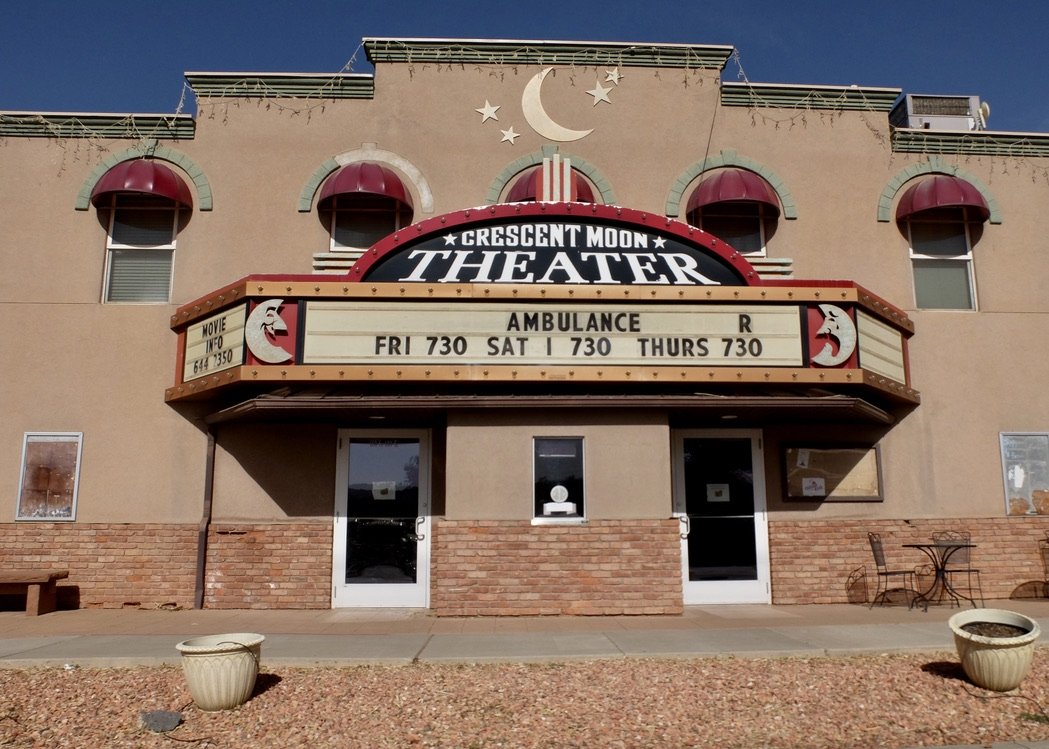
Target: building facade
520	328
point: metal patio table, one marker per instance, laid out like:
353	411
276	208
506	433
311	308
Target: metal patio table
939	553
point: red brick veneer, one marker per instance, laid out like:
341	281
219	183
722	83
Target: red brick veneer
493	567
110	564
269	566
811	560
114	565
507	568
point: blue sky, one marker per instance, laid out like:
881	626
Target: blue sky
123	56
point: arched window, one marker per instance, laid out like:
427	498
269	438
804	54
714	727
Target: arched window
361	203
143	204
942	217
736	206
528	186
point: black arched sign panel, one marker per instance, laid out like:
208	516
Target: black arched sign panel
554	243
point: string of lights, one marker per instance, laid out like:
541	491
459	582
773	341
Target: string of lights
768	105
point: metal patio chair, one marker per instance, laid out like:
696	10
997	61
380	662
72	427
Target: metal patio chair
959	565
885	574
856	585
1043	551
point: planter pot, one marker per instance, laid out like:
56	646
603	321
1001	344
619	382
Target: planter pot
997	663
221	669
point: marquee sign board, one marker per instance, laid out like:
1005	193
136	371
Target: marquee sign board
543	292
363	332
215	344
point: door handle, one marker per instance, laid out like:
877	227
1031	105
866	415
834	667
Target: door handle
417	536
686	522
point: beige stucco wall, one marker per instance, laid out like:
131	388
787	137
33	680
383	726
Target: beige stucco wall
268	472
85	367
70	363
626	458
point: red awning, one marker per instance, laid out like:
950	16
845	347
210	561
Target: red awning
142	176
733	186
368	178
526	188
941	191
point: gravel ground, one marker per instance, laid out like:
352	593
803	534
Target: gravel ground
871	701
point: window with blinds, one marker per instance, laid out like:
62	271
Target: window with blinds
738	224
742	225
941	257
359	221
140	249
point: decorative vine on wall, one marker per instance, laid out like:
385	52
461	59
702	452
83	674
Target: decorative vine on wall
992	154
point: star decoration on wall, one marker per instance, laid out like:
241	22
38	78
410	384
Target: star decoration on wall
536	116
487	112
600	93
659	242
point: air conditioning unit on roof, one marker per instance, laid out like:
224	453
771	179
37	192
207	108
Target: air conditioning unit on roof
940	112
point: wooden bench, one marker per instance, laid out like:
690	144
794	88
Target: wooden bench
39	586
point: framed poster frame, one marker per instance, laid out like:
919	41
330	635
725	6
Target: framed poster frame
832	473
49	479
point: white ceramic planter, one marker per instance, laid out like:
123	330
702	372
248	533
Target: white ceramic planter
996	663
221	669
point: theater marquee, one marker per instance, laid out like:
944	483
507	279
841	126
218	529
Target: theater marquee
543	293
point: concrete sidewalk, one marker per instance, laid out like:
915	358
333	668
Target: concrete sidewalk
134	637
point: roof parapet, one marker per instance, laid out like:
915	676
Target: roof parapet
534	52
794	96
282	85
79	125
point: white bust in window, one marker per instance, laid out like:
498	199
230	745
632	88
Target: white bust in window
559	505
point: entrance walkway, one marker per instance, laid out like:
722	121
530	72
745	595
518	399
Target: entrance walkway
130	637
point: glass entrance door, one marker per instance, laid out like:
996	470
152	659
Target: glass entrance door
380	554
719	498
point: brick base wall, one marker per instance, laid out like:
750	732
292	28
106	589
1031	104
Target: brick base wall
508	568
494	568
271	566
117	565
812	560
110	565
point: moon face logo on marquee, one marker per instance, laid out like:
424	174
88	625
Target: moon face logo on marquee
538	119
264	323
838	326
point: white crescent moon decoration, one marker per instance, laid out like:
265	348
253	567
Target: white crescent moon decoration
263	324
837	325
538	119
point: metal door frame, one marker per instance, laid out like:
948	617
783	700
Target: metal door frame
724	591
415	595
